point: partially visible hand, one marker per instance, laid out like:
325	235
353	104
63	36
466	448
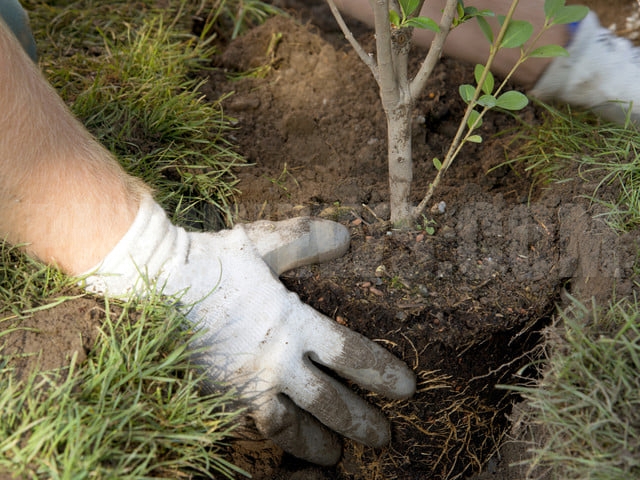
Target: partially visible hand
260	338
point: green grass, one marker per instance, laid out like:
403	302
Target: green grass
587	402
134	74
132	410
583	411
571	146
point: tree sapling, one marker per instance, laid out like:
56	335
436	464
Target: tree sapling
394	22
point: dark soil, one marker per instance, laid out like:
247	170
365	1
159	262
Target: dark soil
461	304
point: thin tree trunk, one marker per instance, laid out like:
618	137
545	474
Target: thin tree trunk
397	92
400	164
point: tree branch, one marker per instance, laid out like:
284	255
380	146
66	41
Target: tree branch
368	60
435	50
459	141
389	93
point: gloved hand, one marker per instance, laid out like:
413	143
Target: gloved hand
260	338
601	73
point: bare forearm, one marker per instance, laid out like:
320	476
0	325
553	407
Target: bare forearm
61	193
467	42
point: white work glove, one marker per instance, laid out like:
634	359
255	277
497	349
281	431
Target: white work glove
260	338
601	73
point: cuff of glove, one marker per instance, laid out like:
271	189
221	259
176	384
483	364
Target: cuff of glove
150	243
561	75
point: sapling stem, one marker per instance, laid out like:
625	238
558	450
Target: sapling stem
458	140
397	92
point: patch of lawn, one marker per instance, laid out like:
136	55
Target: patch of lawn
575	146
131	410
584	408
587	402
133	73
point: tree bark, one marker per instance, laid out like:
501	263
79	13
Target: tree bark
400	164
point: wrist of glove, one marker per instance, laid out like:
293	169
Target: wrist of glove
259	337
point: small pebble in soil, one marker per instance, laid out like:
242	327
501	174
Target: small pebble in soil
424	291
439	208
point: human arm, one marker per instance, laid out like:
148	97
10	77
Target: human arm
467	42
600	72
66	198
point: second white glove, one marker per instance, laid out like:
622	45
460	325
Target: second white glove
601	73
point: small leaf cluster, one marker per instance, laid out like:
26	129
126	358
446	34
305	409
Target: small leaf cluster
467	13
520	31
516	35
404	19
511	100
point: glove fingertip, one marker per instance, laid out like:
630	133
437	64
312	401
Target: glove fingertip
298	241
403	385
297	432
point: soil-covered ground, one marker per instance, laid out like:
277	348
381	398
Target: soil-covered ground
460	298
461	305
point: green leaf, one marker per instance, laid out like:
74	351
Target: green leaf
485	12
470	11
394	18
475	139
422	22
518	32
409	6
512	100
474	117
551	7
570	14
437	163
489	81
486	28
548	51
488	101
467	13
466	92
460	8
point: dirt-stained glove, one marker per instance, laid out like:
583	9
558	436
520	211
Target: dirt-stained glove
260	338
601	73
